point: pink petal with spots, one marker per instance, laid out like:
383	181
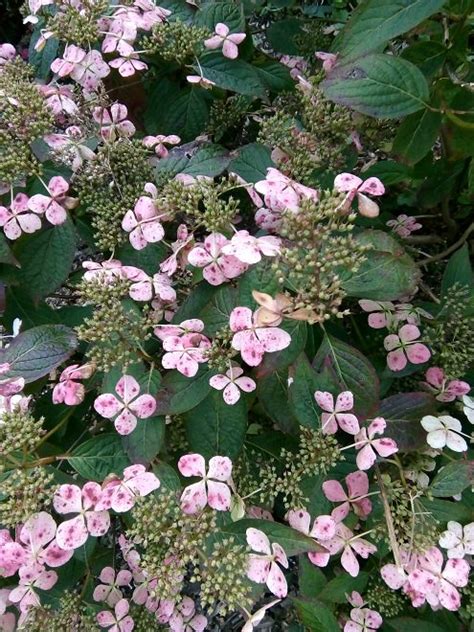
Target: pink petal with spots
347	182
68	499
457	572
230	50
363	548
194	498
107	575
273	338
218	496
258	569
127	624
418	353
153	231
391	342
39	203
324	528
324	400
220	468
55	214
125	423
127	388
373	186
107	405
377	321
329	423
72	534
246	384
144	406
258	541
300	520
408	333
366	206
448	596
192	465
344	402
98	522
276	581
251	351
106	619
280	554
122	499
38	530
29	223
320	559
219	382
393	576
385	447
357	484
366	458
240	318
334	491
348	423
55	556
144	484
187	365
396	360
349	562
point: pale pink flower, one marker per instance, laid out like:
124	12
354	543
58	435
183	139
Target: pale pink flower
232	383
72	56
217	267
52	205
201	81
119	620
120	32
355	498
381	313
355	186
411	314
369	446
254	619
228	41
121	494
145	287
185	619
180	248
71	146
281	192
329	60
144	223
8	622
39	538
60	99
298	65
444	431
68	390
31	578
324	528
249	249
127	407
158	143
212	490
363	620
18	218
350	545
113	122
268	219
128	64
337	415
191	325
458	540
404	225
12	554
109	271
74	532
185	353
109	590
445	390
402	347
253	341
263	568
7	53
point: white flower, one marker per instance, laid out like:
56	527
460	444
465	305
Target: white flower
458	541
468	408
444	431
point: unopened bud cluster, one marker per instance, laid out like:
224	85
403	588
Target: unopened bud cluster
19	431
78	24
176	41
220	352
24	492
388	602
226	115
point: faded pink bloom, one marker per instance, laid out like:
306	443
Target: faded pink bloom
90	70
180	248
157	143
212	489
72	55
369	447
350	545
201	81
39	538
232	383
113	122
68	390
444	431
12	554
60	99
355	186
363	620
402	347
217	267
249	249
71	146
411	314
192	325
31	578
121	494
263	568
404	225
144	222
337	415
298	65
74	532
18	218
127	407
109	590
280	192
119	620
185	619
324	528
253	341
120	33
228	41
52	205
329	60
185	352
381	313
445	390
458	540
109	271
144	287
128	64
355	498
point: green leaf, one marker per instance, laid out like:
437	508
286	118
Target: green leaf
281	359
179	393
458	270
275	76
37	351
145	442
403	412
416	136
282	35
445	510
348	370
42	59
453	479
311	579
46	259
387	274
217	312
6	255
236	75
208	161
99	456
272	390
21	305
304	383
383	86
336	590
252	162
428	56
294	542
406	624
315	616
375	22
215	428
259	277
389	171
146	259
227	12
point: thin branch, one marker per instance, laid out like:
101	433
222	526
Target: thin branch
457	244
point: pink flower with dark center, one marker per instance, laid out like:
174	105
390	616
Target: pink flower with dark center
228	41
445	390
127	407
381	313
212	490
363	620
402	347
144	222
39	538
404	225
217	267
350	545
337	415
109	590
253	341
355	186
324	528
74	532
31	578
113	123
355	498
52	205
121	494
280	192
119	620
232	383
185	619
263	568
369	446
185	353
158	143
68	390
18	218
249	249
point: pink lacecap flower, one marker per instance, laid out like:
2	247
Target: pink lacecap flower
458	540
60	99
249	249
337	415
157	143
119	620
363	620
324	528
71	144
369	446
128	63
109	590
355	498
72	55
144	288
68	390
31	578
228	41
185	352
191	325
350	545
180	248
253	341
113	122
19	218
127	407
120	494
144	222
39	539
7	53
74	532
212	490
232	383
381	313
355	186
402	347
263	568
185	619
119	33
445	390
404	225
280	192
52	205
329	60
109	271
217	267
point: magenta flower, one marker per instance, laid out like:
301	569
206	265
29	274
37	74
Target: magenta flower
119	620
324	528
68	390
185	619
363	620
121	494
217	267
337	416
158	143
263	568
232	383
212	490
109	591
355	186
445	390
369	447
355	498
381	313
74	532
113	122
52	205
249	249
253	341
38	536
127	407
18	218
404	225
143	223
350	545
280	192
402	347
31	578
228	41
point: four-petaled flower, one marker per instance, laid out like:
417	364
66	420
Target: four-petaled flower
228	41
185	353
19	218
249	249
212	489
52	205
263	569
109	590
127	407
444	431
355	498
369	446
185	619
381	313
445	390
113	122
117	621
350	545
363	620
355	186
324	528
121	494
31	578
458	540
404	225
157	143
281	193
68	390
143	223
402	347
232	383
337	415
217	267
40	545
